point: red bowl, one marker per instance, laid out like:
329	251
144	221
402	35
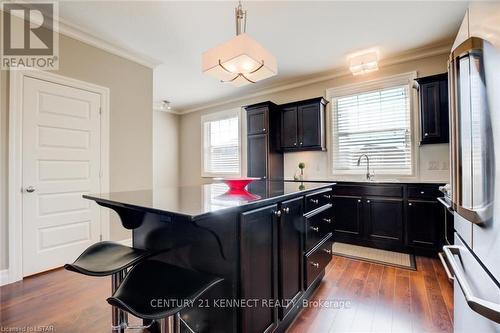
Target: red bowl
238	183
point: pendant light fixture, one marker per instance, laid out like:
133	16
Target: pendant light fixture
241	60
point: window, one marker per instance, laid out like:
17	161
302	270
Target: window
375	121
221	144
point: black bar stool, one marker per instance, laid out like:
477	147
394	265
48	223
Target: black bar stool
154	290
109	258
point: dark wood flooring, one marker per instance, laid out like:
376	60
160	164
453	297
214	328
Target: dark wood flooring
379	299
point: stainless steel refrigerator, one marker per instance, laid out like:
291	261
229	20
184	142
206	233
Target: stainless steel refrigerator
474	80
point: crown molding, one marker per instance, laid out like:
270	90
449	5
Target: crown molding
71	30
411	55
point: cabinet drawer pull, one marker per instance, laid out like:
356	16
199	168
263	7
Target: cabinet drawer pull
367	201
327	196
422	192
277	213
286	210
359	200
327	220
263	130
315	229
315	264
328	251
426	134
295	143
315	201
409	204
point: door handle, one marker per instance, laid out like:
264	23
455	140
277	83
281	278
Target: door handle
315	229
277	213
315	201
30	189
327	220
484	307
445	266
286	210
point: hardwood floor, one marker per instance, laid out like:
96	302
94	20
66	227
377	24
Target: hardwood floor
378	299
381	299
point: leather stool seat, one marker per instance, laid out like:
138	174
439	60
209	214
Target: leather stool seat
106	258
156	290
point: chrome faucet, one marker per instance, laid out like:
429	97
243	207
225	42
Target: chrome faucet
369	175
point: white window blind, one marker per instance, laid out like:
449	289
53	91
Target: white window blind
375	123
221	144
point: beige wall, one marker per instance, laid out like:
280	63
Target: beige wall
190	128
165	149
130	86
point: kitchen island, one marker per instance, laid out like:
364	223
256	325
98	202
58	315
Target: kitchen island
271	245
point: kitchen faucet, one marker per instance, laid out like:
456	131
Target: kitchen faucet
369	175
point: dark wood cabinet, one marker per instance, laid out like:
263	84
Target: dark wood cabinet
259	244
404	217
290	254
384	220
346	214
433	91
425	221
303	125
264	156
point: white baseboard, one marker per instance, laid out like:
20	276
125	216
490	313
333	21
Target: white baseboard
4	277
126	242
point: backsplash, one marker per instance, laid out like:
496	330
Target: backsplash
433	166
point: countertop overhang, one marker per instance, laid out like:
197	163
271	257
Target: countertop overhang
197	202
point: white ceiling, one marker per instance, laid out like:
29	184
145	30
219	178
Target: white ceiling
306	37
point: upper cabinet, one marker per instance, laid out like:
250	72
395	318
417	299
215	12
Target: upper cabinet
434	109
303	125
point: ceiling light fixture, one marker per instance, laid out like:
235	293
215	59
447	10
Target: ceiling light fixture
241	60
363	63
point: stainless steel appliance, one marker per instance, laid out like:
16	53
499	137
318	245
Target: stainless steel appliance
474	259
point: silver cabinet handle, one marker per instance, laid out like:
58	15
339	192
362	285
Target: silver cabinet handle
30	189
327	251
410	204
277	213
315	264
327	196
367	201
422	192
286	210
484	307
315	201
263	130
359	200
426	134
301	143
327	220
315	229
445	266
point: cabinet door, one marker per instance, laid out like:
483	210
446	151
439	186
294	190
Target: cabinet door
259	267
430	111
346	217
310	125
289	127
384	220
257	155
257	121
290	253
425	221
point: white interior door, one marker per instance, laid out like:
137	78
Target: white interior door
60	163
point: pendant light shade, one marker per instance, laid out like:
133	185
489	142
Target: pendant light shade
240	60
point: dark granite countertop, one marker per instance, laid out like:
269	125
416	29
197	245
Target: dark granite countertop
195	202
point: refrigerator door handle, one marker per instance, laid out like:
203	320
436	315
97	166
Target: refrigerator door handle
445	266
484	307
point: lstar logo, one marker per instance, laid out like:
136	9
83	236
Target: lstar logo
29	36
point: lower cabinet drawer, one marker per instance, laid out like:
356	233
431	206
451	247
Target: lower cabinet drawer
316	260
317	227
316	200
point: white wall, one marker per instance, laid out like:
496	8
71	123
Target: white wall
165	149
317	162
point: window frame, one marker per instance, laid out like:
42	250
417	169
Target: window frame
362	87
221	115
